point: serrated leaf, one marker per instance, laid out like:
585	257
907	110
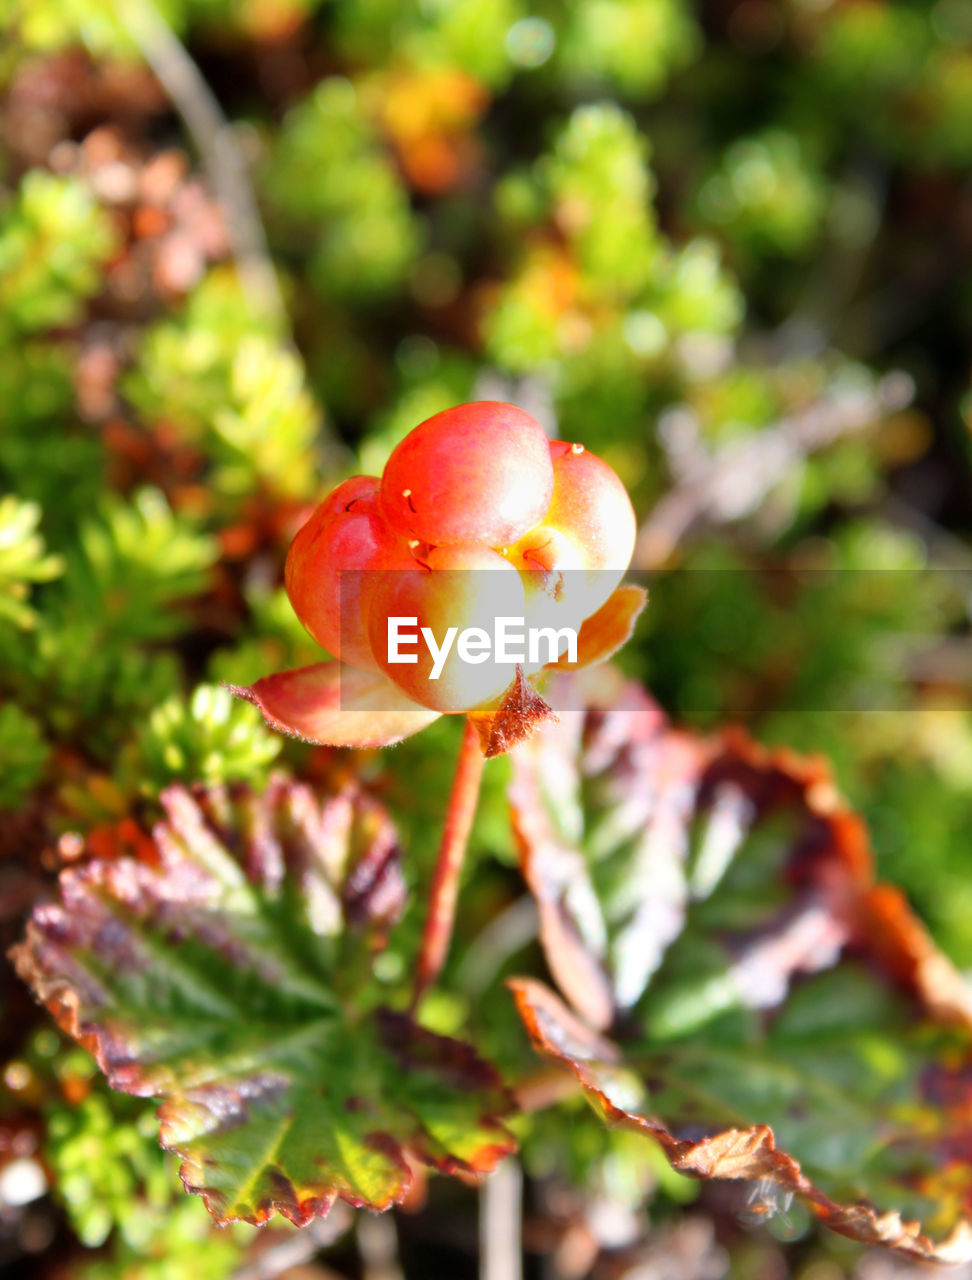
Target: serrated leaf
777	1016
600	823
231	978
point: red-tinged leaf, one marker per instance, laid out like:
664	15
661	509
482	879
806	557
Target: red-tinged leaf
605	632
609	876
902	945
337	706
231	977
624	821
778	1016
751	1152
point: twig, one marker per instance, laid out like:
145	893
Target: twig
500	1224
219	151
736	479
378	1247
445	886
298	1248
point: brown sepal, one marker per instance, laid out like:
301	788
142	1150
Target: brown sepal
512	719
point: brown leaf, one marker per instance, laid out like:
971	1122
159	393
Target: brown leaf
904	947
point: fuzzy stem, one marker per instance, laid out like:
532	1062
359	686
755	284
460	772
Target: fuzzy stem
445	886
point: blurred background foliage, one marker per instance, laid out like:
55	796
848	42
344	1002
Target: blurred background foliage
726	245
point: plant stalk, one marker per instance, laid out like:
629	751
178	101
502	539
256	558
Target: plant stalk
445	886
501	1223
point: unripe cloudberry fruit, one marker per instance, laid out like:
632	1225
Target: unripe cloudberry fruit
476	516
346	532
479	474
466	586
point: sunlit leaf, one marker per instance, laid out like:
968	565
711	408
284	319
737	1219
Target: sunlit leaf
776	1016
601	823
231	977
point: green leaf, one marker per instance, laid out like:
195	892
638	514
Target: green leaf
211	736
81	683
224	382
23	755
135	561
233	980
777	1016
53	241
22	559
634	45
331	178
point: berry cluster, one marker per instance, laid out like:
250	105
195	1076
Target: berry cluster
477	516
